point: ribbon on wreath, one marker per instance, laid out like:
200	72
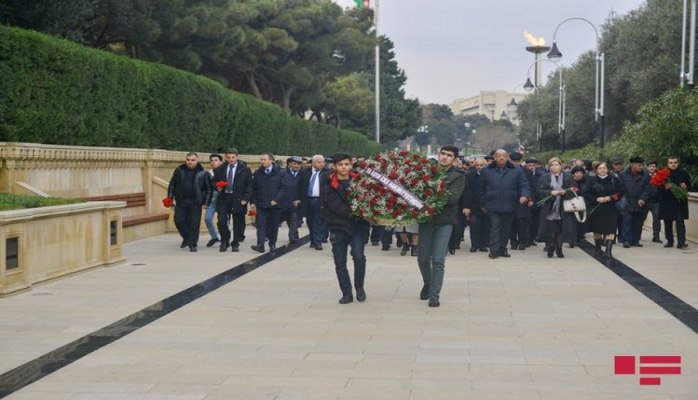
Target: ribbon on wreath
396	188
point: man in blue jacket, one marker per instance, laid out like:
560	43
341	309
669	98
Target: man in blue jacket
504	187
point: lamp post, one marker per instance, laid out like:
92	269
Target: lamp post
556	55
688	76
528	86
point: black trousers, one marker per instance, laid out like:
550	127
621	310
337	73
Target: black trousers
225	211
187	219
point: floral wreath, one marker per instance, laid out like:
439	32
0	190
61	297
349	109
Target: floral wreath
398	188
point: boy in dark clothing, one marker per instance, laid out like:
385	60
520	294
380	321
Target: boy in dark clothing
346	230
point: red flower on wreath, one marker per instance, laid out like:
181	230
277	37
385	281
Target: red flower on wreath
403	174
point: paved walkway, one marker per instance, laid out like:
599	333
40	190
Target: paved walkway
527	327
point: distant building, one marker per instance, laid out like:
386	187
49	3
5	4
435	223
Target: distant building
495	104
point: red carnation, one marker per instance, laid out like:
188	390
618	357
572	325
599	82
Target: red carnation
376	212
414	181
167	202
406	171
396	213
428	192
252	213
434	169
615	197
418	167
408	161
416	156
404	153
384	166
431	211
414	213
363	164
402	180
424	161
221	184
392	199
393	175
389	206
426	178
377	157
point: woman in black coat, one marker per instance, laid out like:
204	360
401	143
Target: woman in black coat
579	177
556	226
601	193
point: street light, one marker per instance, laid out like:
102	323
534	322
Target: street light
688	76
556	55
528	86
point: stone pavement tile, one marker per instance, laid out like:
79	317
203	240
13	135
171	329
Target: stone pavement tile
460	394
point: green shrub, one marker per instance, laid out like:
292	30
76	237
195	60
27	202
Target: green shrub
16	202
57	92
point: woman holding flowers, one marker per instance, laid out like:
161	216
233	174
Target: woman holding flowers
556	226
601	193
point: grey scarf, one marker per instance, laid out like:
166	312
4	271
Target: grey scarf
554	213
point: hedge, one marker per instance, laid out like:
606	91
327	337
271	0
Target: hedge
57	92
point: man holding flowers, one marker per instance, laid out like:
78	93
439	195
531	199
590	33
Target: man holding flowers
637	192
434	234
673	204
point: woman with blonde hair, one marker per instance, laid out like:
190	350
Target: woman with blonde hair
556	226
601	193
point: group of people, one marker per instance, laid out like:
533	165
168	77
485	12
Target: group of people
504	201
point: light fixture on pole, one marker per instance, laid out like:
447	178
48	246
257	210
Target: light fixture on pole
556	55
529	86
688	76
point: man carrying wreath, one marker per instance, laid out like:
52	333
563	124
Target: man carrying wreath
346	230
435	233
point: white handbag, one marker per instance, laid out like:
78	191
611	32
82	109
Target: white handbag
577	206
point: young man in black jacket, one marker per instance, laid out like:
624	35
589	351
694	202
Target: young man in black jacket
346	230
190	186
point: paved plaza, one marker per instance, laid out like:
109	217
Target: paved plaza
174	325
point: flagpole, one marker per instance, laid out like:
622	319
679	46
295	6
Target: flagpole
378	74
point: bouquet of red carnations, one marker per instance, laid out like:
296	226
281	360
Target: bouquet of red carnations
398	188
661	178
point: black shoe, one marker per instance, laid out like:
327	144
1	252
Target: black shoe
346	300
374	243
551	251
451	251
626	245
324	241
224	247
242	240
434	303
405	249
483	249
636	244
535	244
235	247
514	246
184	244
571	245
656	240
669	244
272	247
293	241
413	251
360	294
493	256
399	243
318	247
682	246
192	249
385	248
505	255
558	251
473	249
522	247
424	293
259	249
212	242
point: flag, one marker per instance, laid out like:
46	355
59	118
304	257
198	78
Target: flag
362	3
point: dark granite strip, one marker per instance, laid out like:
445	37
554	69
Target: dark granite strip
681	310
26	374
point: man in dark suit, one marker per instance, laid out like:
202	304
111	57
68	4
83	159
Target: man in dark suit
289	205
519	237
534	174
233	198
479	223
268	191
309	195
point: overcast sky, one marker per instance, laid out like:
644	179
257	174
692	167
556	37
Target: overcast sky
452	49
